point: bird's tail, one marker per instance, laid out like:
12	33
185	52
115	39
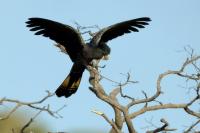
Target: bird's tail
71	83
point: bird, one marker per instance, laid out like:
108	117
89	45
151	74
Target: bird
81	53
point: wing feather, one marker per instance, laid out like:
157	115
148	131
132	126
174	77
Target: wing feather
119	29
65	35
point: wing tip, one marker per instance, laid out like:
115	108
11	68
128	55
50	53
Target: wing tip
144	19
33	20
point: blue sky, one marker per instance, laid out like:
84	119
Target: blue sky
31	64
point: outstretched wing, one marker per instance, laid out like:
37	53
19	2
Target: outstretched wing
64	35
119	29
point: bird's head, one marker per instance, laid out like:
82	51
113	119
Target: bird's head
104	47
106	50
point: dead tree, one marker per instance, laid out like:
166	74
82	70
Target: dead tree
123	113
35	105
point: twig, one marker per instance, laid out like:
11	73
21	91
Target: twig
30	121
192	126
124	110
100	93
30	104
106	118
124	95
163	128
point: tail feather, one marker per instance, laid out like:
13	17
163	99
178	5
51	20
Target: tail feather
70	85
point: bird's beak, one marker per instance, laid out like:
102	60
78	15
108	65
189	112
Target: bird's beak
106	57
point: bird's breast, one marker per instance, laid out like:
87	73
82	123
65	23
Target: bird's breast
91	53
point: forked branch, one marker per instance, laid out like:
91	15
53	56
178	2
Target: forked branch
122	113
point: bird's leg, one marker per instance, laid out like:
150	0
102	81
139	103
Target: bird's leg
94	64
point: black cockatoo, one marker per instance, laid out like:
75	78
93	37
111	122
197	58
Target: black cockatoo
81	53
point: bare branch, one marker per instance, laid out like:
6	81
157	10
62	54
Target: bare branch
160	78
118	115
100	93
191	112
11	112
163	128
98	89
109	121
192	126
33	105
121	85
110	79
157	107
29	122
79	27
82	28
124	95
150	123
122	112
